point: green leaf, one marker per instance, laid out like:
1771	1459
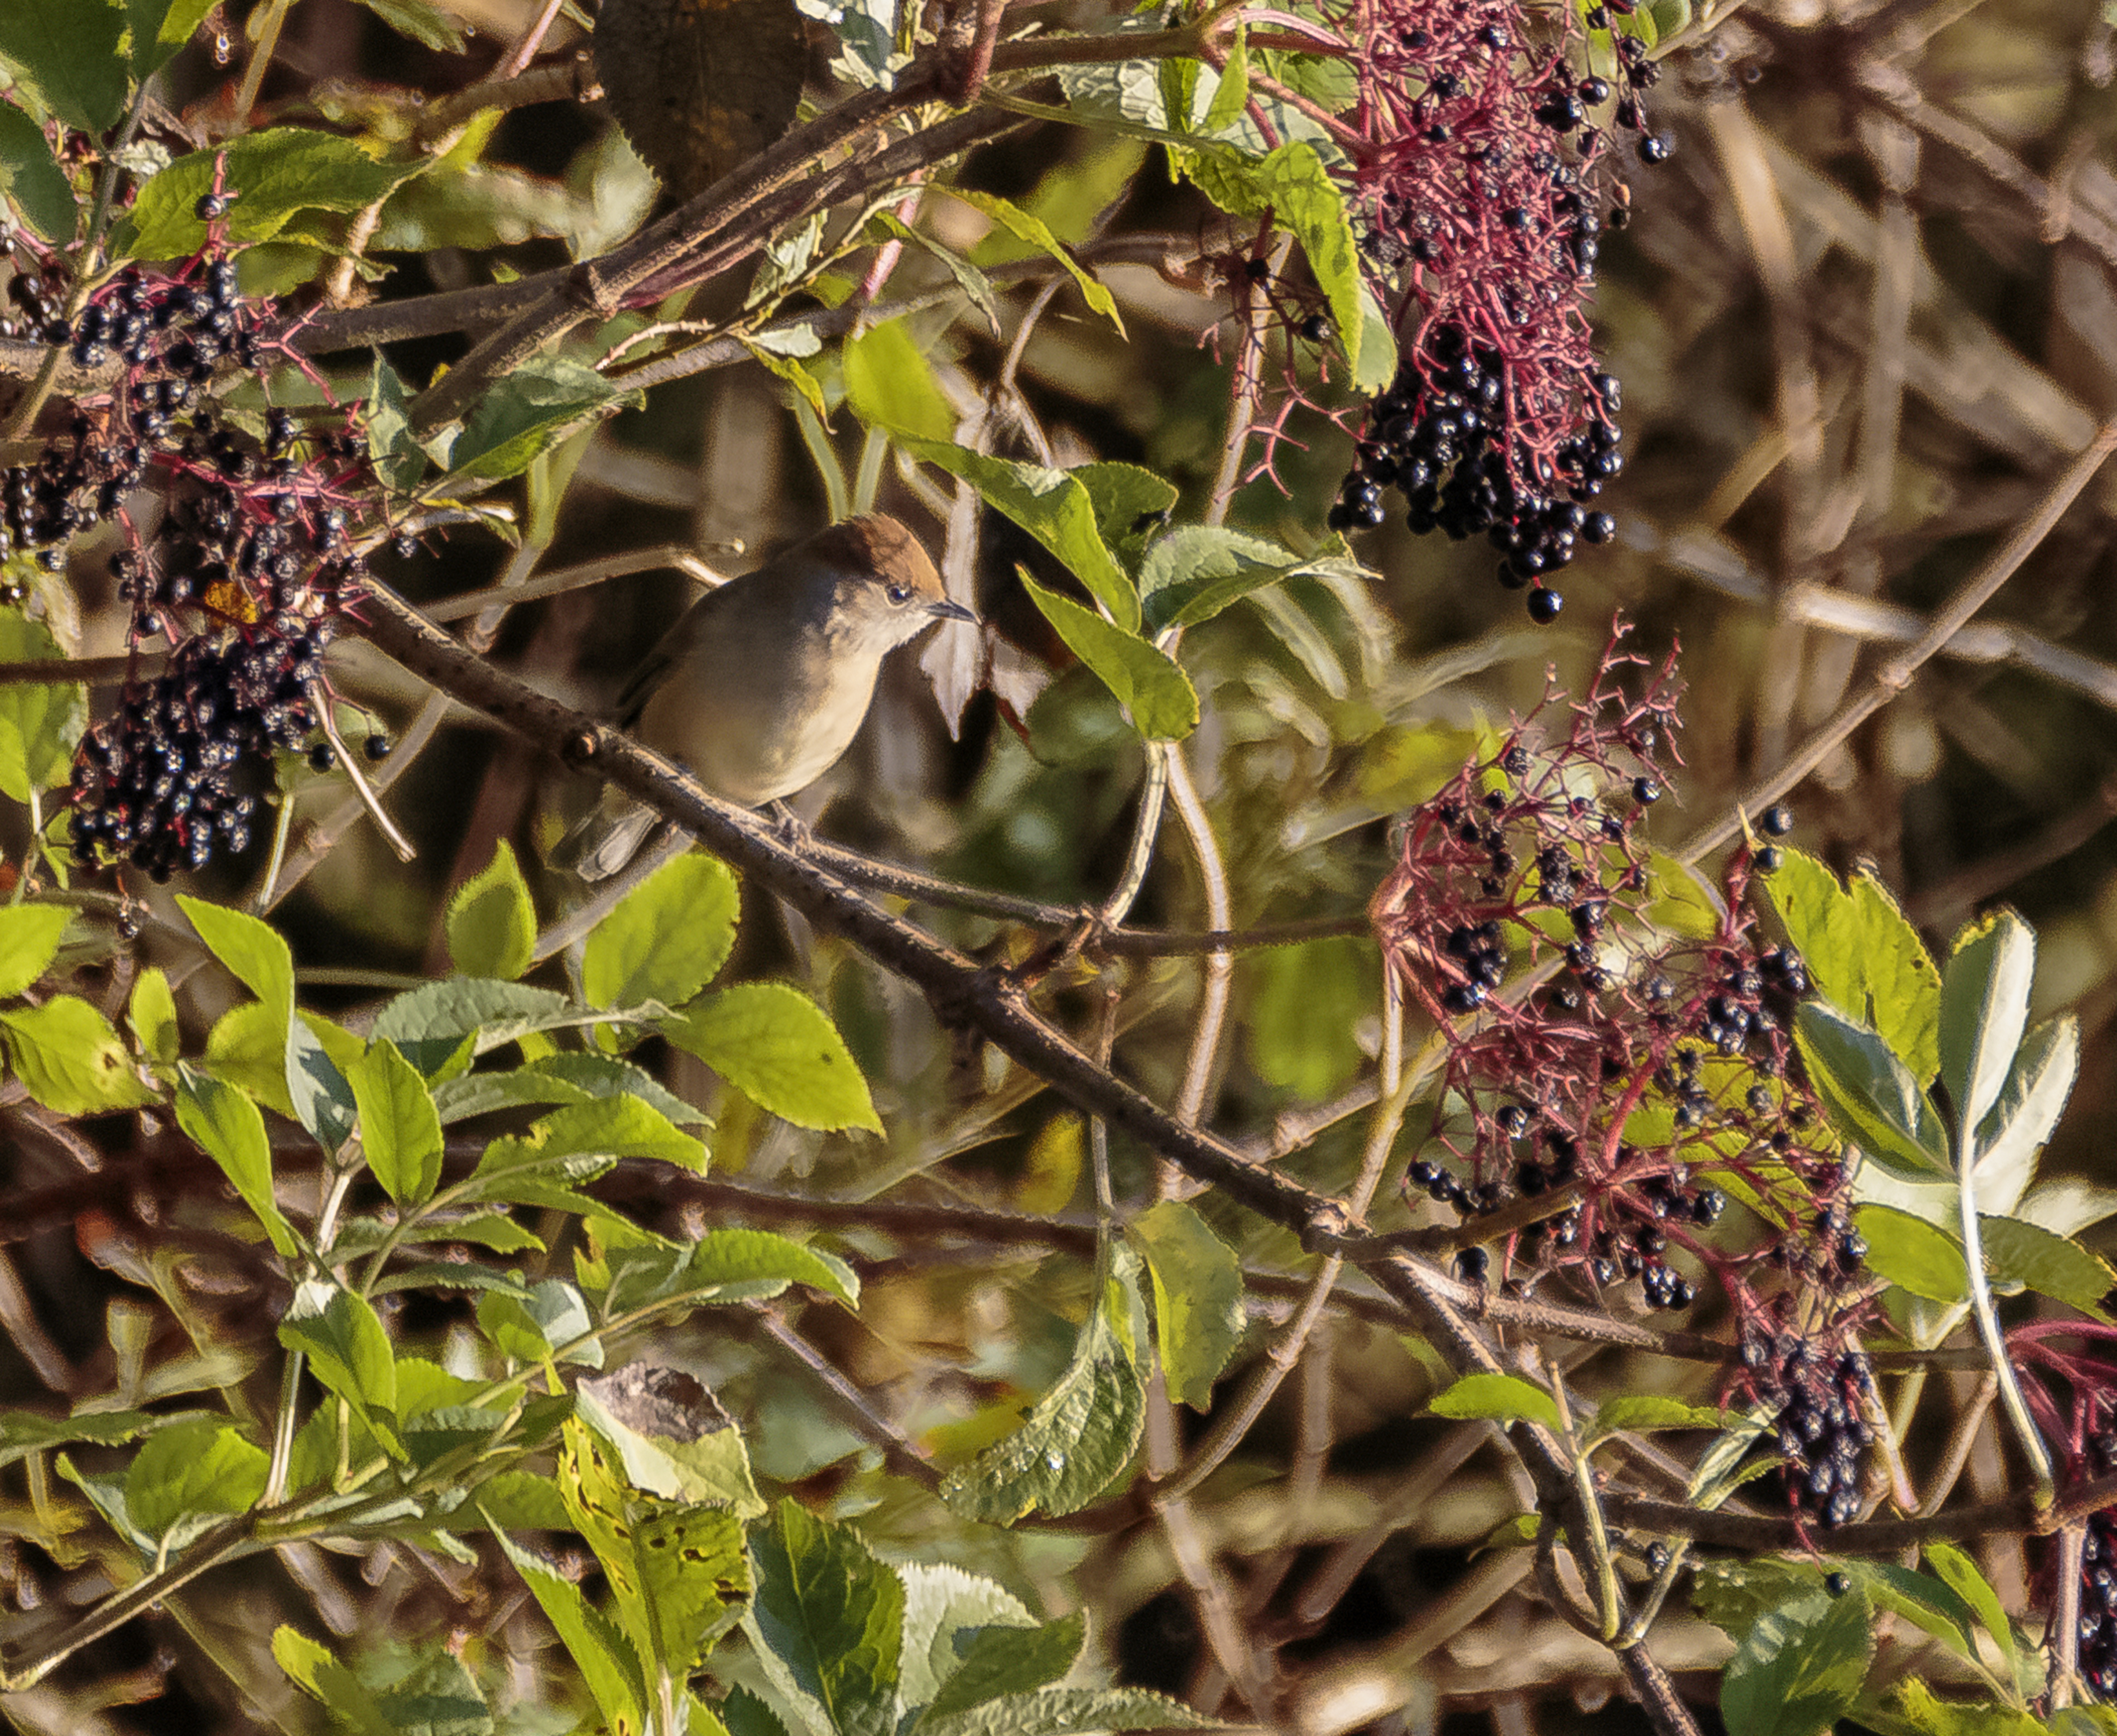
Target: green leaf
273	176
1915	1255
831	1617
71	1061
1870	1094
1071	1711
400	461
1197	1300
1498	1398
1984	1010
549	1319
744	1715
890	384
400	1129
491	924
1078	1438
29	942
247	1048
2020	1255
1003	1659
31	179
1643	1411
223	1123
1036	233
1054	507
1131	504
24	1432
566	1076
347	1347
1194	573
604	1658
1903	988
426	25
1960	1574
679	1575
151	1015
1824	926
437	1697
312	1668
667	940
430	1023
579	1143
72	53
781	1050
1147	680
2012	1135
316	1082
39	722
160	29
1799	1669
1307	201
529	408
198	1467
755	1257
252	950
672	1437
946	1611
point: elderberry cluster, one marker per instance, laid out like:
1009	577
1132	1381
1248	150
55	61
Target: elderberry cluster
1483	204
240	574
2098	1581
156	786
1822	1433
1437	435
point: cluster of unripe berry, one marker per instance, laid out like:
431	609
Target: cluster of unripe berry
240	574
1484	204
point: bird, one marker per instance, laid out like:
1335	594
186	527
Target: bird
760	688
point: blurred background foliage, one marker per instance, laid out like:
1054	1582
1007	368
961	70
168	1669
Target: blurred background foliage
1861	318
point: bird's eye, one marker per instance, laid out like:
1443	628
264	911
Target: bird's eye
899	592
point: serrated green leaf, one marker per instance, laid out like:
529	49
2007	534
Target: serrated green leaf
1003	1660
531	408
1497	1398
252	950
39	722
72	53
347	1347
1961	1575
549	1319
1036	232
2023	1256
1305	198
1799	1668
223	1123
430	1023
1984	1011
585	1139
890	384
1643	1411
311	1667
31	179
1079	1437
400	1129
604	1658
1073	1711
1903	986
70	1060
567	1076
29	940
492	923
273	175
1195	572
1054	507
198	1467
1197	1302
1145	679
1824	926
24	1432
831	1617
1915	1255
247	1048
151	1015
316	1082
666	939
780	1049
426	25
1870	1094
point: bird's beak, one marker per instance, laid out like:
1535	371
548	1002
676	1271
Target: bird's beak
949	610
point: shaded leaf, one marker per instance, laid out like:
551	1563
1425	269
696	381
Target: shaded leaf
1145	679
1870	1092
492	923
274	174
1197	1302
400	1129
71	52
223	1123
31	179
1799	1668
1984	1010
831	1616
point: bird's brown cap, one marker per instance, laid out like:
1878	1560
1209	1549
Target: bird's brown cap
876	543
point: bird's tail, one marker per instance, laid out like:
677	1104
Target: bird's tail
606	838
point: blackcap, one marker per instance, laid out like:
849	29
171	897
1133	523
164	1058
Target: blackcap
762	684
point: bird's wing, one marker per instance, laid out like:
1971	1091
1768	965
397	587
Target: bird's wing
673	646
